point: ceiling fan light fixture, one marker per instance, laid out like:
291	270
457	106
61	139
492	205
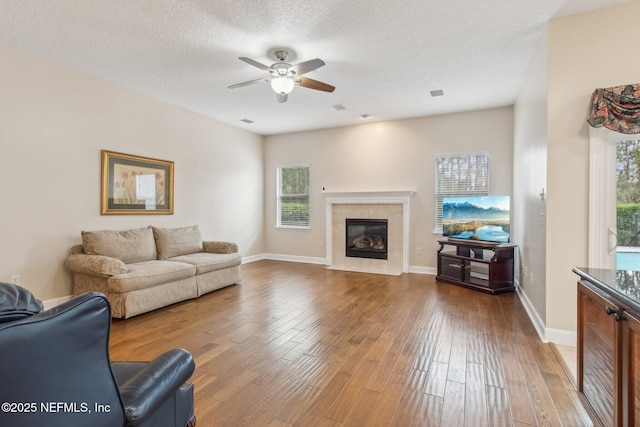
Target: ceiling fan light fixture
283	77
282	85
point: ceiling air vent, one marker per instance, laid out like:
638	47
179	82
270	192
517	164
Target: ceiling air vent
246	121
339	107
438	92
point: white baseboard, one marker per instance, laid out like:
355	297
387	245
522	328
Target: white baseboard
423	270
50	303
535	318
557	336
322	261
295	258
252	258
561	337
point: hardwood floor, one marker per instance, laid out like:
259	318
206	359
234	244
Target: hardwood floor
300	345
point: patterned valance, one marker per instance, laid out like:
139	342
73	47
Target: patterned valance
616	108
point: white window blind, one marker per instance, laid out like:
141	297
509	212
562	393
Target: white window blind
460	174
293	196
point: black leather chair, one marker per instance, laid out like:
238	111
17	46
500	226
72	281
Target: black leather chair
55	369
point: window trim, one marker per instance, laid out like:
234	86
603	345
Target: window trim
279	200
602	239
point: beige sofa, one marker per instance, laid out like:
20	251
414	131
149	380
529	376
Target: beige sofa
143	269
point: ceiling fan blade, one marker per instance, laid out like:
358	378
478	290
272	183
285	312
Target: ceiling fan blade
307	66
314	84
282	97
250	82
255	63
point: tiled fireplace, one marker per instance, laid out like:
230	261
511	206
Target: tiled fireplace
366	238
388	207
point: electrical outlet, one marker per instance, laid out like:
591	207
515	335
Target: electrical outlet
418	251
15	279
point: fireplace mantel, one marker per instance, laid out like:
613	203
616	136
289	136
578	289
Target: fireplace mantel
369	198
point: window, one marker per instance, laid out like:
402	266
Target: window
460	174
293	196
614	200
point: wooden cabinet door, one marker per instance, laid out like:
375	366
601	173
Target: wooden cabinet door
598	347
631	369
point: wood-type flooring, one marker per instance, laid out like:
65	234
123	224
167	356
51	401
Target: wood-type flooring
300	345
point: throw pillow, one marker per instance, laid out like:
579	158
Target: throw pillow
128	246
173	242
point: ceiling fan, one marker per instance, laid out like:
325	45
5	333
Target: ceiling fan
284	77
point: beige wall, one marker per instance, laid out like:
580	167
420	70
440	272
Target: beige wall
54	122
390	156
586	52
529	178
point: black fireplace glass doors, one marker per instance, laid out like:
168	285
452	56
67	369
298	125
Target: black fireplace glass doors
366	238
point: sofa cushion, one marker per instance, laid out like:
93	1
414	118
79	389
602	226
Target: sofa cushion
149	273
128	246
206	262
172	242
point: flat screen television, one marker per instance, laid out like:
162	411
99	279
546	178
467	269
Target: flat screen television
483	219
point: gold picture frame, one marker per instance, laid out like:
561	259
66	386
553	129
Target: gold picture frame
134	185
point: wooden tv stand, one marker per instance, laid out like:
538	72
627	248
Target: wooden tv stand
483	266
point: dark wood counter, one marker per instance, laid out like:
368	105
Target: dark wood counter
622	284
609	345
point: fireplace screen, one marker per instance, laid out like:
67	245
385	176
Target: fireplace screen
366	238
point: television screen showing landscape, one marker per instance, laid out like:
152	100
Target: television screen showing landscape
476	218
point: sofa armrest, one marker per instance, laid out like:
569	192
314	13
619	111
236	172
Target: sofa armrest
220	247
95	265
148	389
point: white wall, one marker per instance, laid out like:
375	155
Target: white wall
529	178
577	55
586	51
54	122
396	155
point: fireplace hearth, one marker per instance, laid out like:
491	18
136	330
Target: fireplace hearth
366	238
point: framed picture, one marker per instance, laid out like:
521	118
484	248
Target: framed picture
136	185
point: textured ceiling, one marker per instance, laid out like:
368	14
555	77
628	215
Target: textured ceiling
383	57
